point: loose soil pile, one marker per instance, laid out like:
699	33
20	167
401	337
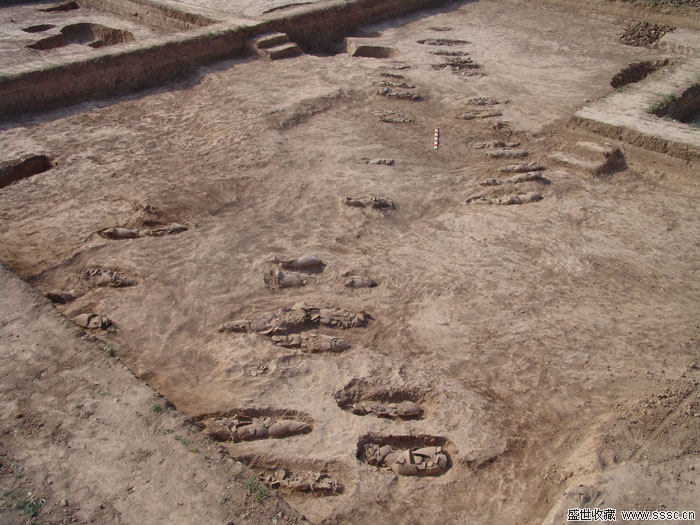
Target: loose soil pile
644	33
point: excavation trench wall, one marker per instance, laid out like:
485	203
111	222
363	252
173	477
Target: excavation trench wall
636	138
138	66
317	29
148	13
117	72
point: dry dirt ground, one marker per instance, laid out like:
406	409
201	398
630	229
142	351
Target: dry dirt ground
84	441
553	345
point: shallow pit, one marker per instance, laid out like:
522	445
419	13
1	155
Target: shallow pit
92	35
254	424
684	108
637	71
360	392
38	28
365	33
66	6
405	446
365	51
309	477
14	170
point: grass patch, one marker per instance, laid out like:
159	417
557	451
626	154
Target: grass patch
30	506
186	444
109	349
161	409
255	488
18	470
663	102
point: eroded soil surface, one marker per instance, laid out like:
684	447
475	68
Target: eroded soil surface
480	330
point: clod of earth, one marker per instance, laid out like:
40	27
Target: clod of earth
400	95
306	263
94	322
440	28
520	199
242	428
417	461
522	167
360	282
336	317
507	154
118	233
402	410
442	42
307	482
396	67
277	279
382	162
483	101
494	144
445	53
148	216
471	115
531	176
103	277
376	203
473	72
165	230
456	64
644	33
503	127
506	200
292	320
394	117
284	321
312	342
402	85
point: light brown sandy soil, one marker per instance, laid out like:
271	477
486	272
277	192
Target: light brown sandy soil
553	344
17	18
84	441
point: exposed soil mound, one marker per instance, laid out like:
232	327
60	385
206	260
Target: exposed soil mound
644	33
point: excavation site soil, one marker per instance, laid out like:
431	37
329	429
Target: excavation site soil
391	275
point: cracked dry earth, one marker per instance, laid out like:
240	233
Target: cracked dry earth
363	334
